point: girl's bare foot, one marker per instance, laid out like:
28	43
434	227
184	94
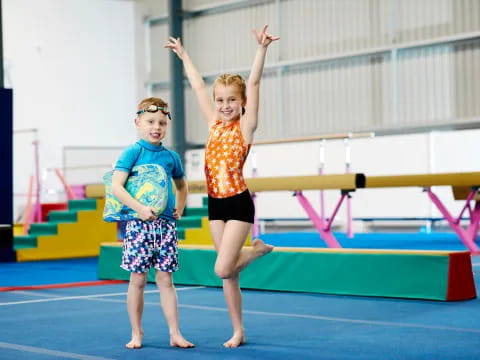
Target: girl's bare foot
136	342
261	248
237	339
179	341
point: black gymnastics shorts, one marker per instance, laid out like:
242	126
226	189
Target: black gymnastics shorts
238	207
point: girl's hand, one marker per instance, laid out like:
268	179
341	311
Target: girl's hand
176	46
263	38
147	214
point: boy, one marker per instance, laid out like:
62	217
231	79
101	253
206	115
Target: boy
152	239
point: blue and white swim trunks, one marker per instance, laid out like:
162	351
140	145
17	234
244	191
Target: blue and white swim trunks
150	244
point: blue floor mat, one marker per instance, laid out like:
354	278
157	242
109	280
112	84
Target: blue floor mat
48	272
410	241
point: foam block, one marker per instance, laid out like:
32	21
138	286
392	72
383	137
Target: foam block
430	275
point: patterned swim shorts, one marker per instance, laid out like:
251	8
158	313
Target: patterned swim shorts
152	243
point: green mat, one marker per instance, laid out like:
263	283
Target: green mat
435	275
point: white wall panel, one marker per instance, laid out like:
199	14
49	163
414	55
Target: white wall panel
271	119
336	97
425	86
196	126
196	4
425	19
313	28
422	19
467	80
159	56
224	42
154	7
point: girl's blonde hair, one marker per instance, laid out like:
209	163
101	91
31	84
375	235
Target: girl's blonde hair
231	79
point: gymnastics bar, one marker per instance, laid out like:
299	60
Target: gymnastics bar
340	136
465	186
348	182
345	182
346	137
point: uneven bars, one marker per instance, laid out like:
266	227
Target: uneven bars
318	137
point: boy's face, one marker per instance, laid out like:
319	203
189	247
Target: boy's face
152	127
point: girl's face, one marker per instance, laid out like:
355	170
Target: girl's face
152	127
229	102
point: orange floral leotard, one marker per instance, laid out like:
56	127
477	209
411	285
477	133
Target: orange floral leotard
225	156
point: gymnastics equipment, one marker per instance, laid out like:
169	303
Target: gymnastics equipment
465	186
430	275
346	137
33	210
347	182
35	214
146	183
68	190
75	233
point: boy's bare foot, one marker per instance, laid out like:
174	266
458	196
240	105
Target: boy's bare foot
179	341
136	342
261	248
237	339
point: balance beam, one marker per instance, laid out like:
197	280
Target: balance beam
469	179
465	186
429	275
285	183
293	183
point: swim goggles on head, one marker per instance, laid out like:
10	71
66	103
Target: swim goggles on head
153	109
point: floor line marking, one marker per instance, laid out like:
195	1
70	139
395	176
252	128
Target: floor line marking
56	353
87	297
319	317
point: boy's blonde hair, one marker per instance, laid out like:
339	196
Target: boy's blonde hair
231	79
145	103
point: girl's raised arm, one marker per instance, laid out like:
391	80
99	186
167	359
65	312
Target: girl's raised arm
250	119
195	79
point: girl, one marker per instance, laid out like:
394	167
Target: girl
232	122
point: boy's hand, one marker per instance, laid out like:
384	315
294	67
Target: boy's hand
263	38
176	214
176	46
147	214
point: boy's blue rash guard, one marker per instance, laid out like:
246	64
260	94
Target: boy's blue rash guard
142	153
